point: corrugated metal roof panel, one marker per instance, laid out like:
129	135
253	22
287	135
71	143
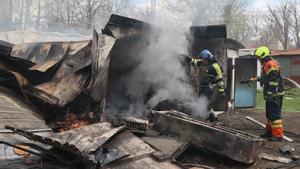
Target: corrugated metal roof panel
287	52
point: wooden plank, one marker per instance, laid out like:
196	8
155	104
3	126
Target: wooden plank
23	125
264	126
15	112
276	158
21	120
16	116
5	131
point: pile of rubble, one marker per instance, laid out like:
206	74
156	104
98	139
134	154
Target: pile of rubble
139	143
67	83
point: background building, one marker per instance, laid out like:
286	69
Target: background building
289	61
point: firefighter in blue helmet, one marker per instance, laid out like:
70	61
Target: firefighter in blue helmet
211	84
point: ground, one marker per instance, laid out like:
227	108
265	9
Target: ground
237	121
291	125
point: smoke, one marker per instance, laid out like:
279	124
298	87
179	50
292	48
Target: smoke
161	70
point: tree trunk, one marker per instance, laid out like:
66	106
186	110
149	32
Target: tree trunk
10	14
38	20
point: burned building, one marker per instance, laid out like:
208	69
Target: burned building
78	88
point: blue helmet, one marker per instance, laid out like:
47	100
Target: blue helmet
205	54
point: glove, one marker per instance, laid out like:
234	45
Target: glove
188	59
258	78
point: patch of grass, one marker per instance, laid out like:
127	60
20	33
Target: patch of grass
291	100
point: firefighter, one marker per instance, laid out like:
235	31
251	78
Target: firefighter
211	84
273	92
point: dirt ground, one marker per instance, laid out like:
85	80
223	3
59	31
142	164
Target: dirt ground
237	121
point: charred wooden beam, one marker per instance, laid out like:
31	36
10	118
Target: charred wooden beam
231	143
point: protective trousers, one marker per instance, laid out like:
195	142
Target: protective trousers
274	125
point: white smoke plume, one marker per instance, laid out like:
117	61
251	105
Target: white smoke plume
161	69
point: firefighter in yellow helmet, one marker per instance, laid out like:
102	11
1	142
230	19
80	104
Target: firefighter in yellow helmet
271	81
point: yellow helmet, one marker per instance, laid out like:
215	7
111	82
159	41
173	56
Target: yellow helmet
262	52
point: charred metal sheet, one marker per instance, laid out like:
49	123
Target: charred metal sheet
135	123
77	58
83	141
67	89
40	52
233	144
60	75
120	27
102	45
106	156
139	153
16	113
146	162
5	48
208	32
130	144
43	67
171	147
47	54
55	54
15	81
22	51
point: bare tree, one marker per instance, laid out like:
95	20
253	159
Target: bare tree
236	19
295	23
280	21
199	12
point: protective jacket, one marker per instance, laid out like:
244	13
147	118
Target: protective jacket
271	79
213	76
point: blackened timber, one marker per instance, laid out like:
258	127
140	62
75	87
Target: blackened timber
231	143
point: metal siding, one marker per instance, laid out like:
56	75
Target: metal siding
285	64
245	96
295	68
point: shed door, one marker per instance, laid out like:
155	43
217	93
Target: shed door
245	96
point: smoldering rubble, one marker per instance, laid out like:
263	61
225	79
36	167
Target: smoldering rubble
111	102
